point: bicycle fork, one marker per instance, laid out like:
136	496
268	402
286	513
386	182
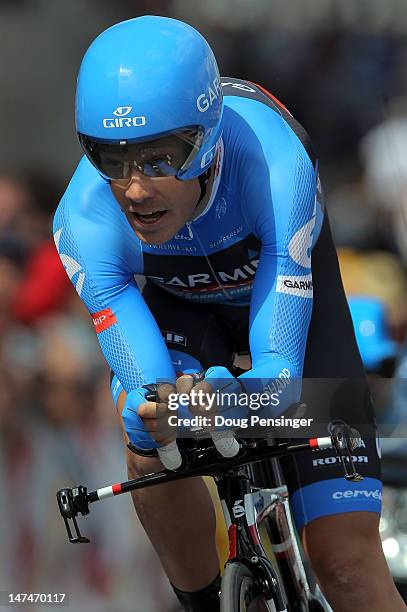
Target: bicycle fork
239	509
276	517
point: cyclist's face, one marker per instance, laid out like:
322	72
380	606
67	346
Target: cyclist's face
172	201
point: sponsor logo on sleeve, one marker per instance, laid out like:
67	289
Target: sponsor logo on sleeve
301	286
73	268
103	319
300	244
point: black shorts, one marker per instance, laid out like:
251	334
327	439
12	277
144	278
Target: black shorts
203	335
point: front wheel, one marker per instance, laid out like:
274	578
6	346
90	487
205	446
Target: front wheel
240	593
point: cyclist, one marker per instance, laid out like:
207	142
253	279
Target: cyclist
208	187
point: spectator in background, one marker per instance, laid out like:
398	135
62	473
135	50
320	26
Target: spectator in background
377	349
53	383
15	201
384	153
11	270
398	409
370	322
376	285
377	274
353	217
33	283
25	210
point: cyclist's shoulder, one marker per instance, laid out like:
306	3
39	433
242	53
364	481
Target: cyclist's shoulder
86	194
88	219
256	118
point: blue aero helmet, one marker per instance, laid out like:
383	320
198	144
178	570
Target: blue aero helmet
149	98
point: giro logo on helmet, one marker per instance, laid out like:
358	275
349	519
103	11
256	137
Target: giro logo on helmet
206	99
122	120
121	111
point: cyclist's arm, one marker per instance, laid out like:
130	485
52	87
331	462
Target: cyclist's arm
282	209
101	253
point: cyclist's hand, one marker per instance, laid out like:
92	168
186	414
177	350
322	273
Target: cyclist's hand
201	402
199	394
147	427
155	416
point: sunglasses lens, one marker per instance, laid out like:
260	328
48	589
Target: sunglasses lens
164	156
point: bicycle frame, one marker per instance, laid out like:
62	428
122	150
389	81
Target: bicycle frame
240	506
245	507
274	512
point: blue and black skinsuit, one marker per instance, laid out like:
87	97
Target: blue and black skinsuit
256	270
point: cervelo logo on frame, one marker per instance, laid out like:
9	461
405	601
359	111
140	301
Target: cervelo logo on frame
103	319
122	119
238	508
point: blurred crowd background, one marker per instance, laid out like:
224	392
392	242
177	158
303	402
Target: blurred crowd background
340	68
